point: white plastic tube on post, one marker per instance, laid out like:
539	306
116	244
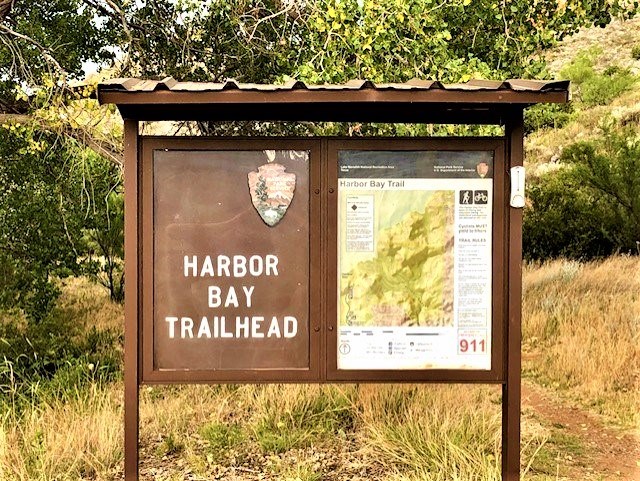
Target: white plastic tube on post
517	187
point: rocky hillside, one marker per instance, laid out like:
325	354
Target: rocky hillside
603	65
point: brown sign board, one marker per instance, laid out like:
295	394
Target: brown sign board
242	246
230	291
228	249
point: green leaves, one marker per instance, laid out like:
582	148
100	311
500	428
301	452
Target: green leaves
52	194
591	208
390	40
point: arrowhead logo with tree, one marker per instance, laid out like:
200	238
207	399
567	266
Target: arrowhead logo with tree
271	191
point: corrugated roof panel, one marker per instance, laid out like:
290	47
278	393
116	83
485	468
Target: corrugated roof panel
170	84
196	87
487	84
537	85
166	83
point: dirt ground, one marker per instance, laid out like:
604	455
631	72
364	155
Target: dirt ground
609	455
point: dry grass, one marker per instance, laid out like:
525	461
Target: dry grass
89	304
580	332
75	438
351	432
582	327
432	432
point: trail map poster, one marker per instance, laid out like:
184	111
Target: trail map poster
414	259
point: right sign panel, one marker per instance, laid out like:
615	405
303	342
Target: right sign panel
414	260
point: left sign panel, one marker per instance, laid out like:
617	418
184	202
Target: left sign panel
230	260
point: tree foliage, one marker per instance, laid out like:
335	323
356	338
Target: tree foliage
562	219
609	168
591	207
62	208
53	201
42	43
334	41
269	40
39	223
104	226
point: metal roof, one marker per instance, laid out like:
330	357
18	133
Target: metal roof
419	100
169	83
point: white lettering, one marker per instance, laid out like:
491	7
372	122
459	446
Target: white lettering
239	266
274	328
186	326
290	326
242	325
223	328
172	326
248	292
223	265
204	330
256	324
232	298
207	268
190	265
271	262
255	265
245	327
234	266
214	296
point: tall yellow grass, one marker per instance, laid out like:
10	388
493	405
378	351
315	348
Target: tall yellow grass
581	322
88	304
76	438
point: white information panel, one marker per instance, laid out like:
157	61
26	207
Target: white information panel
414	259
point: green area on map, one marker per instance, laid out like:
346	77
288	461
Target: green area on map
408	279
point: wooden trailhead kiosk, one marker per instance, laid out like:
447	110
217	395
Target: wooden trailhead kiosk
321	259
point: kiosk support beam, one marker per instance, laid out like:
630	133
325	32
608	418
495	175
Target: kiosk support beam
514	131
131	302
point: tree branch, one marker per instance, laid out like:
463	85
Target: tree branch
46	53
5	8
80	135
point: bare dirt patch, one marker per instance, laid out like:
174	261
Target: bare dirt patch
609	454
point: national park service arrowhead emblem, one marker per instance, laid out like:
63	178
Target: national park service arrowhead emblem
271	191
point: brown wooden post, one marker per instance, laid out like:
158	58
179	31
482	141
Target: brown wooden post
131	302
514	131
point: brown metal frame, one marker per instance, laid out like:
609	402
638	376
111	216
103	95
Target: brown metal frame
507	254
131	302
511	388
350	96
496	373
474	102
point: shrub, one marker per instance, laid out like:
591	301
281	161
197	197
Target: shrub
563	219
223	439
602	89
54	356
635	52
594	88
590	208
608	168
547	116
301	418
